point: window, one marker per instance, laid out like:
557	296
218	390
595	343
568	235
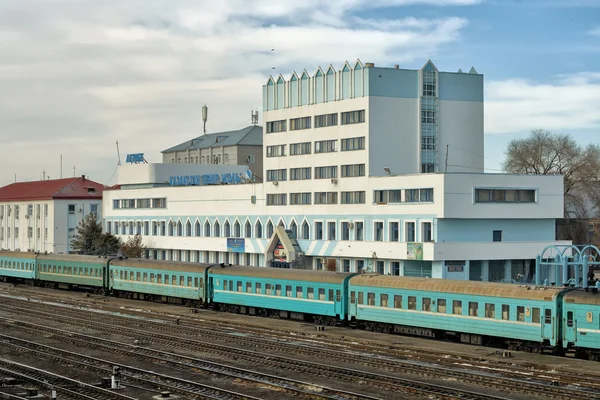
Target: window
412	303
331	230
359	230
142	203
276	175
297	149
127	203
383	300
428	116
457	307
276	151
159	203
318	230
490	310
326	146
426	304
428	143
276	126
326	120
520	313
305	230
395	268
378	232
326	197
277	199
345	231
569	319
535	315
473	309
428	83
353	197
426	231
357	143
394	232
93	209
346	265
299	123
371	299
410	232
497	236
397	301
504	196
419	195
300	198
252	158
325	172
547	316
297	174
72	209
353	170
387	196
505	312
353	117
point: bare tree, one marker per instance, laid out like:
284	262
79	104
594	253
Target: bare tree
133	247
547	153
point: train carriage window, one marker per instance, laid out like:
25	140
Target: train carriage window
383	300
298	292
152	278
173	279
321	294
239	286
569	319
397	301
412	302
371	299
310	293
54	269
202	283
112	273
145	277
535	315
473	309
505	312
87	271
189	281
361	298
278	290
182	281
338	296
426	304
457	307
258	288
248	287
166	279
159	278
520	313
490	310
331	295
121	274
225	284
267	288
352	297
288	291
196	282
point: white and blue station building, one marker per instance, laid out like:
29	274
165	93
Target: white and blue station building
364	169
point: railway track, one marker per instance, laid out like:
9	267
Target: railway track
380	380
66	387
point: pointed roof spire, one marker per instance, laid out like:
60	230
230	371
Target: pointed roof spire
460	71
473	70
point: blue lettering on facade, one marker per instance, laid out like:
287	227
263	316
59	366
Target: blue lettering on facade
135	158
209	179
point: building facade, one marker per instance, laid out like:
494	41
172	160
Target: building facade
355	179
241	147
42	216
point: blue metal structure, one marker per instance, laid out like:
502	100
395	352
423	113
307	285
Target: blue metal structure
281	292
567	257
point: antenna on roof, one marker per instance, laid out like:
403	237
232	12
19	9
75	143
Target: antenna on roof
204	116
118	154
254	115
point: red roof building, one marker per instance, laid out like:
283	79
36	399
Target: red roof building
44	215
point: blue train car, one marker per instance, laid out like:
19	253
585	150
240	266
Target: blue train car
67	271
17	265
581	323
284	293
165	281
483	313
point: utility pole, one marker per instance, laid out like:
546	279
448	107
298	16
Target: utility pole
447	146
118	154
73	171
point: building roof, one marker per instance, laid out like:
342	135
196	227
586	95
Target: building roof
249	136
68	188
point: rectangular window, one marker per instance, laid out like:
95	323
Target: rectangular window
497	236
383	300
504	196
310	293
428	116
326	146
324	120
276	175
297	124
159	203
326	197
331	230
535	315
394	232
412	302
520	313
276	151
410	231
428	143
359	227
569	319
387	196
300	198
473	309
426	304
397	301
72	209
370	299
547	316
277	199
457	307
345	231
319	230
297	174
297	149
361	298
353	170
142	203
490	310
353	197
505	312
353	117
326	172
426	231
378	232
322	294
357	143
257	288
395	268
276	126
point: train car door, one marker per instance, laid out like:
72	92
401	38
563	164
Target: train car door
337	301
548	324
570	327
352	308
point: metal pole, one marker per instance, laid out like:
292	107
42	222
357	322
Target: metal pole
447	146
538	270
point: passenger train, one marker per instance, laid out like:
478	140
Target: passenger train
518	317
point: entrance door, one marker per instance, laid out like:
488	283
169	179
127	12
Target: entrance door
570	328
548	324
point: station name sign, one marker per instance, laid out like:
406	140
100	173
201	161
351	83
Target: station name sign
135	158
210	179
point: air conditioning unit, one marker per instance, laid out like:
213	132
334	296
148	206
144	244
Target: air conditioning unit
334	180
275	183
350	225
253	199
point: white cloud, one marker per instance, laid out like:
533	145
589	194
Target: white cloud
78	75
569	103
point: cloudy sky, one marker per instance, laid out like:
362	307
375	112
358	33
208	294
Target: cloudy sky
78	75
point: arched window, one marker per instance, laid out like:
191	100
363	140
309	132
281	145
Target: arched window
237	230
294	229
218	229
248	229
207	229
258	230
198	229
227	230
269	230
305	230
188	229
171	224
179	229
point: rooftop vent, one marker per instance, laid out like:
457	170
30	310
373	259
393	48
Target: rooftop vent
396	66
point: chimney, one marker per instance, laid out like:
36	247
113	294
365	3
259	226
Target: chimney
83	177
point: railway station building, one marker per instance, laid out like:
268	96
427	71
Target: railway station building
364	169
